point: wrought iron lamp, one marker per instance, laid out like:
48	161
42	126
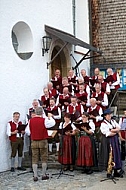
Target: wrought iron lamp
46	42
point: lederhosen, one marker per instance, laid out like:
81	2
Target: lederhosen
17	143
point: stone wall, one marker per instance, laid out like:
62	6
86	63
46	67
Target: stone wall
108	29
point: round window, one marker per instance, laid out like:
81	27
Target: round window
22	40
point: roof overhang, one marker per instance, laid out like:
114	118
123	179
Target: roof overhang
69	38
66	37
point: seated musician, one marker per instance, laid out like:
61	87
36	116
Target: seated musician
85	149
84	76
83	97
67	153
104	85
122	135
63	99
57	79
114	82
101	97
56	114
72	79
45	98
109	139
65	84
75	109
52	91
95	112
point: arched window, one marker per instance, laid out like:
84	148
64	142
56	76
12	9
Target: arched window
22	40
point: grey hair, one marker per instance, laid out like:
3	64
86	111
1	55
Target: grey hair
39	111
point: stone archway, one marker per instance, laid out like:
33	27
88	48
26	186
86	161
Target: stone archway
62	61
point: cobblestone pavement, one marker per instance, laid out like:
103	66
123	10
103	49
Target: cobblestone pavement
24	180
19	181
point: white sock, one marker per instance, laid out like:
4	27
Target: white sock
19	161
57	147
50	147
44	167
12	162
34	166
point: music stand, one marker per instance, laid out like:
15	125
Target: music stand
111	164
110	177
61	172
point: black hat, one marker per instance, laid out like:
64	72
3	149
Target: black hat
106	112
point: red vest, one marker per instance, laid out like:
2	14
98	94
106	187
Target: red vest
86	80
53	92
45	101
115	79
100	97
95	113
84	95
72	79
71	108
13	128
103	86
55	112
38	129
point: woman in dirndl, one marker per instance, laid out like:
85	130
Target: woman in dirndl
67	152
85	148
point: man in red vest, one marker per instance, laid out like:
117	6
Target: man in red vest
113	80
16	140
37	128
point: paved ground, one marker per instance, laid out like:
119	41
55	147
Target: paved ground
19	181
15	181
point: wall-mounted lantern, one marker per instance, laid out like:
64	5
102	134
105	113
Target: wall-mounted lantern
46	42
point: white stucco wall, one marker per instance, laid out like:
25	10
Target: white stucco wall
82	31
22	80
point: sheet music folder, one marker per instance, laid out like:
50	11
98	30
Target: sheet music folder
66	129
53	112
21	127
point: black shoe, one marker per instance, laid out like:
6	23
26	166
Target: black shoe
121	172
45	177
65	168
21	168
12	169
35	179
89	172
71	169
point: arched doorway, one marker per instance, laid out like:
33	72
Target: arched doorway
59	62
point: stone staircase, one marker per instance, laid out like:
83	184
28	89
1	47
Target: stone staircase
52	161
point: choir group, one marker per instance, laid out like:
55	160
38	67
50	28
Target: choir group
78	115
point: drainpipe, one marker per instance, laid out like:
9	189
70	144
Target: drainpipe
74	17
74	27
90	35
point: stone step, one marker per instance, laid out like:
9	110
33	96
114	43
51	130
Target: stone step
52	161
